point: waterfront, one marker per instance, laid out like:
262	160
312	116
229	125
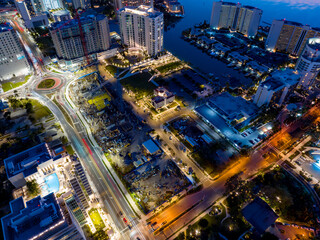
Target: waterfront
305	12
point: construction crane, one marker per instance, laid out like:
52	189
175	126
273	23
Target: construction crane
82	36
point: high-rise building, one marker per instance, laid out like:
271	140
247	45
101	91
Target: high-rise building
308	64
12	58
276	87
75	209
32	13
289	36
83	4
142	27
51	4
40	218
67	38
244	19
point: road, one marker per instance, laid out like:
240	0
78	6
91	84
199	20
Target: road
112	199
213	190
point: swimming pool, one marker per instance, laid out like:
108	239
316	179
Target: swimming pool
52	183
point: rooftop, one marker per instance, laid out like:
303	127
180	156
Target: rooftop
5	26
272	84
27	161
39	219
61	12
288	77
73	22
259	214
232	107
141	10
151	146
314	43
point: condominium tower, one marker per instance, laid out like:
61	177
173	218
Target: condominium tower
32	13
12	57
142	27
308	64
289	36
244	19
66	36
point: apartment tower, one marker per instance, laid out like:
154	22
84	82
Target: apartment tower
142	27
68	43
308	64
243	19
288	36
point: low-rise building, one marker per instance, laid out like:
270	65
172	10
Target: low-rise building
162	97
151	147
259	214
228	113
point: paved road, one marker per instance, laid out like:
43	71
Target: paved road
112	199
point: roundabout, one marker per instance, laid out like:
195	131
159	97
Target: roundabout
49	83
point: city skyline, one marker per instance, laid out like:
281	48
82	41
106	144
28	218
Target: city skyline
159	120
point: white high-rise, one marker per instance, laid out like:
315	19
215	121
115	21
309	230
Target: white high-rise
288	36
308	64
244	19
32	13
67	38
142	27
13	61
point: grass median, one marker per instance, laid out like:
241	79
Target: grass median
64	112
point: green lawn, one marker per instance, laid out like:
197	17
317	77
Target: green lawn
47	83
40	111
168	67
10	85
70	150
96	219
64	112
112	69
139	84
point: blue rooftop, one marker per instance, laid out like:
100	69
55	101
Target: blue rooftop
27	161
5	27
39	216
151	146
259	214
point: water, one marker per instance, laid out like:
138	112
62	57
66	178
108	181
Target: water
52	183
196	11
